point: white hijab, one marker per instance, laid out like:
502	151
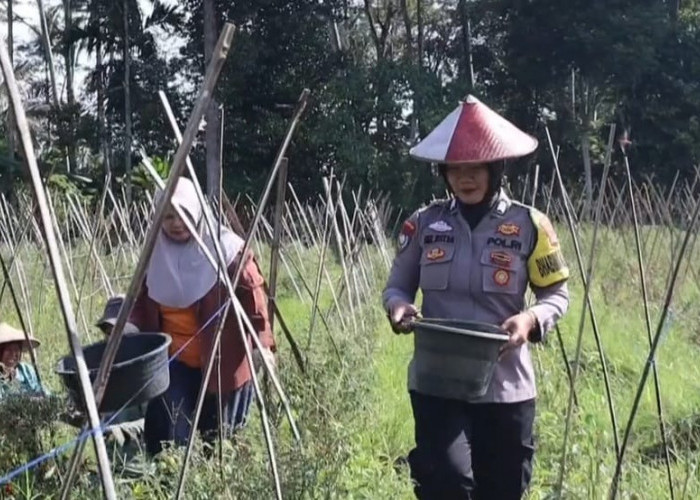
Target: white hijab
179	274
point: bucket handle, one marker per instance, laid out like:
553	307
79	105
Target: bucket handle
448	329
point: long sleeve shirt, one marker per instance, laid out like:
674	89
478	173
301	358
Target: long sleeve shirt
483	275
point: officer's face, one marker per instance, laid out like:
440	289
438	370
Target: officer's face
469	182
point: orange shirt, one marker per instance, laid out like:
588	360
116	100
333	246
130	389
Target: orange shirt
181	325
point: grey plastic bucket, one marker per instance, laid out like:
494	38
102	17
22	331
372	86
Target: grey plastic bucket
455	359
140	371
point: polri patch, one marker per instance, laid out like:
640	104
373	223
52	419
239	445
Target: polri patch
440	226
501	277
508	229
504	243
436	253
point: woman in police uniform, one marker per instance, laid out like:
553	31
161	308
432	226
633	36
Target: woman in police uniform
473	256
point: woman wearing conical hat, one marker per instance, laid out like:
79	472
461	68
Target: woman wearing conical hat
17	376
473	256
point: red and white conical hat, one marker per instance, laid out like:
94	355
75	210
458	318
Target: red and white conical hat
473	133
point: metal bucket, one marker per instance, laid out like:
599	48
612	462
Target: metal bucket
141	365
455	359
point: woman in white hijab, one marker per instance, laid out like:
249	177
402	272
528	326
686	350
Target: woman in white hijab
183	297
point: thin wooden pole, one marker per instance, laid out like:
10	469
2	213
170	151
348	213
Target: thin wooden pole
647	318
579	340
210	79
59	276
223	276
277	228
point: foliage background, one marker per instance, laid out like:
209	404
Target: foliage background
382	73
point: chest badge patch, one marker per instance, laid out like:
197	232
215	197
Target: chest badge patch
508	229
502	259
440	226
436	253
501	277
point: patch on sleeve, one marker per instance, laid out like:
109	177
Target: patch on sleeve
546	265
408	230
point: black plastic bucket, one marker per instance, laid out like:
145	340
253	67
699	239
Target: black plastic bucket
141	366
455	359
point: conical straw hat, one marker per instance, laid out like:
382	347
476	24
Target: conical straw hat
474	133
10	334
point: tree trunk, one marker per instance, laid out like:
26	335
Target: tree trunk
408	27
418	104
49	53
212	137
586	151
467	62
68	55
675	7
50	66
127	103
419	20
101	114
10	114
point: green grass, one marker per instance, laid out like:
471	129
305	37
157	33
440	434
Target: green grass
354	412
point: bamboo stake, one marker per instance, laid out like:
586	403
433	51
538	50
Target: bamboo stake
233	282
647	318
586	281
652	352
275	247
59	277
212	74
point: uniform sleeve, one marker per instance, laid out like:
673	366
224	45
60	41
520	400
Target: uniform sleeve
551	304
251	293
402	284
548	274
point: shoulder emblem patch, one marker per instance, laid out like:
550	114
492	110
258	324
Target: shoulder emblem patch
548	229
407	231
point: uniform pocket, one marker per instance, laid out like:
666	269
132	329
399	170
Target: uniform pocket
501	271
435	264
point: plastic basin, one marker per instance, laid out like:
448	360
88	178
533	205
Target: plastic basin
139	374
455	359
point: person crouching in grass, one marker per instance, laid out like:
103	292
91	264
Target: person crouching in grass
17	376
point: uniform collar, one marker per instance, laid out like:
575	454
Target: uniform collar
499	209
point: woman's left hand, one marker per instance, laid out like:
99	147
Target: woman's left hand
518	328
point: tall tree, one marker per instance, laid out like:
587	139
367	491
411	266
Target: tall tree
10	127
69	61
212	134
127	99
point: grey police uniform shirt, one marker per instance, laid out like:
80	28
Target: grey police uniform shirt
483	275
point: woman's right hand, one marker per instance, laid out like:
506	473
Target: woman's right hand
401	315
